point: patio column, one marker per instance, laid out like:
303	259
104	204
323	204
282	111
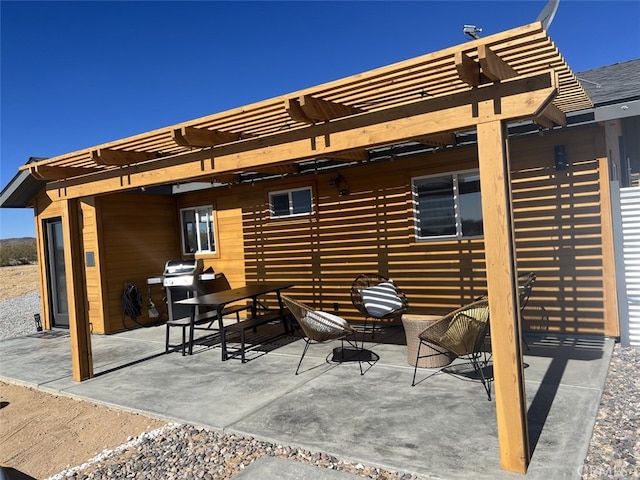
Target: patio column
500	257
81	355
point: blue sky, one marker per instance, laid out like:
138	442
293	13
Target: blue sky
77	74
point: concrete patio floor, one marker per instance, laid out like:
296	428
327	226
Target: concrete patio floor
443	427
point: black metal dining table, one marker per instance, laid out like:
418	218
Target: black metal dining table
220	300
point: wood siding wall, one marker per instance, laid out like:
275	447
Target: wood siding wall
93	275
558	220
139	233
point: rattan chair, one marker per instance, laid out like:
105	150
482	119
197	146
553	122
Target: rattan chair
392	308
525	285
461	333
319	327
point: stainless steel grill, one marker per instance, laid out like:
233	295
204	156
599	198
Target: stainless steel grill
181	273
181	279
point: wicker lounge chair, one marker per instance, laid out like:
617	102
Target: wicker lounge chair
378	299
319	327
461	333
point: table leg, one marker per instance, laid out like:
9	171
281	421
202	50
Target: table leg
283	319
222	332
192	324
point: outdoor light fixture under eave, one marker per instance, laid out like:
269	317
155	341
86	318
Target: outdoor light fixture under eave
560	157
339	184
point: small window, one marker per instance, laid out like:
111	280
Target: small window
198	233
448	205
290	203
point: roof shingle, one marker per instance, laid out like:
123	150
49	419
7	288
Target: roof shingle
615	83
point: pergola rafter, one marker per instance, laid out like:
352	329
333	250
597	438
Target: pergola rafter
308	109
202	137
109	156
50	172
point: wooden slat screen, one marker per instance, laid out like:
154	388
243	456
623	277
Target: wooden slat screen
558	236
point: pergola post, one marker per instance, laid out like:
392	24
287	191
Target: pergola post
81	355
500	256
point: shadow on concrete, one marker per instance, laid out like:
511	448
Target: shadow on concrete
560	350
127	364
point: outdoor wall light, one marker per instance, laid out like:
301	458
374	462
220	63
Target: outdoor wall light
560	156
339	184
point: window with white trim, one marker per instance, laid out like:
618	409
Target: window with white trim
447	206
198	232
291	203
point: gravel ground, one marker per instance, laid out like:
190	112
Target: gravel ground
189	452
614	452
16	315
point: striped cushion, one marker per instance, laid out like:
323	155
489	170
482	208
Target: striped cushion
328	319
381	300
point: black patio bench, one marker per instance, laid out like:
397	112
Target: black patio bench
206	317
252	323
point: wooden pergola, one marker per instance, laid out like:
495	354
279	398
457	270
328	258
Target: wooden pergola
478	86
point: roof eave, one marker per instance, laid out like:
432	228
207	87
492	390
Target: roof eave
21	189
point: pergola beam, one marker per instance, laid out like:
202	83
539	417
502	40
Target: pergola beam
51	172
439	140
543	122
555	115
226	178
350	155
468	69
492	66
202	137
489	67
280	168
109	156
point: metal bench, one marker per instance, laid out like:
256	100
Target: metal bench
251	323
206	317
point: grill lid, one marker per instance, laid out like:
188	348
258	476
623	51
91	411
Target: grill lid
175	268
181	273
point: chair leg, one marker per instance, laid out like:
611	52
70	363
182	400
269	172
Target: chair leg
478	366
306	346
524	340
415	369
358	350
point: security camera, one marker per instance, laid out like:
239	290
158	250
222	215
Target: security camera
471	31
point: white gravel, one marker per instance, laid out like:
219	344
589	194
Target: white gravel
16	315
